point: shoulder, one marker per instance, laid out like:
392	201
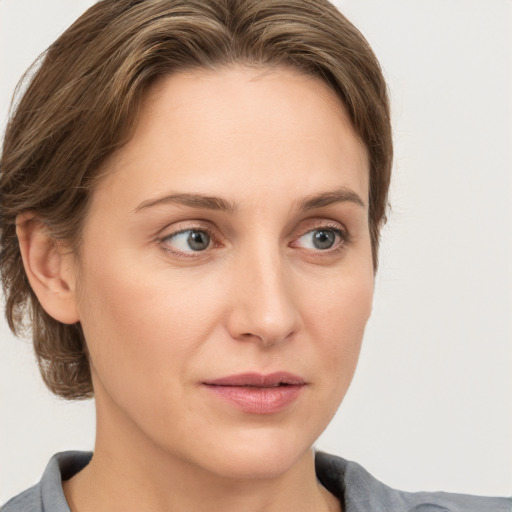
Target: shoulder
27	501
47	495
361	492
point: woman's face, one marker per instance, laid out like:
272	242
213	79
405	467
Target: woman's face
225	276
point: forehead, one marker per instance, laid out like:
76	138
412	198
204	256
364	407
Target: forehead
208	131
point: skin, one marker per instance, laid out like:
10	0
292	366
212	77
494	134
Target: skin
160	318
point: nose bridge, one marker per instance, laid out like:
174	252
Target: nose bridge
264	308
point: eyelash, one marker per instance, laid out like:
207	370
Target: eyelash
343	235
344	240
192	254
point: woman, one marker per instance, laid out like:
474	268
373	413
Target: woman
192	196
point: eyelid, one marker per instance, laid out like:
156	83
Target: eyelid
318	224
314	224
183	227
216	239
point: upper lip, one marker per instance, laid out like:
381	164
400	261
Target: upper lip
258	380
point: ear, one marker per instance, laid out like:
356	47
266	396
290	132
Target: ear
49	267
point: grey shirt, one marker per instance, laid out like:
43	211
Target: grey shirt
353	485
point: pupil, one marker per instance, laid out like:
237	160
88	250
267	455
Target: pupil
323	239
198	240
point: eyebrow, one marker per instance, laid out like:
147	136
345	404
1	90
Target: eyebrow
324	199
218	204
191	200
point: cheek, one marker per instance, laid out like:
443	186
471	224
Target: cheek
149	321
337	317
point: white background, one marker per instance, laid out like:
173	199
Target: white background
431	405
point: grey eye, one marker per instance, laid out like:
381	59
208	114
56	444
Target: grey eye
189	240
323	238
198	240
320	239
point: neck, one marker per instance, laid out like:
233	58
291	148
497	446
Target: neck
129	472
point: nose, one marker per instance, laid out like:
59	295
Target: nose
263	307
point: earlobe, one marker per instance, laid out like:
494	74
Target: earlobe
49	269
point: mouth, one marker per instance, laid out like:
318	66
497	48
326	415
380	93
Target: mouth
258	380
257	393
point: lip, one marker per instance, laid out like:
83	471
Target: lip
257	393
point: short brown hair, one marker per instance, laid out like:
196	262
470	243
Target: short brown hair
83	100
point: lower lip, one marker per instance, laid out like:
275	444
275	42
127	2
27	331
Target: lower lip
258	400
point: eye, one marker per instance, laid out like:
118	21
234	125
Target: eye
189	240
320	239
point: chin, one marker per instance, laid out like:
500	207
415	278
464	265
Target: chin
257	455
